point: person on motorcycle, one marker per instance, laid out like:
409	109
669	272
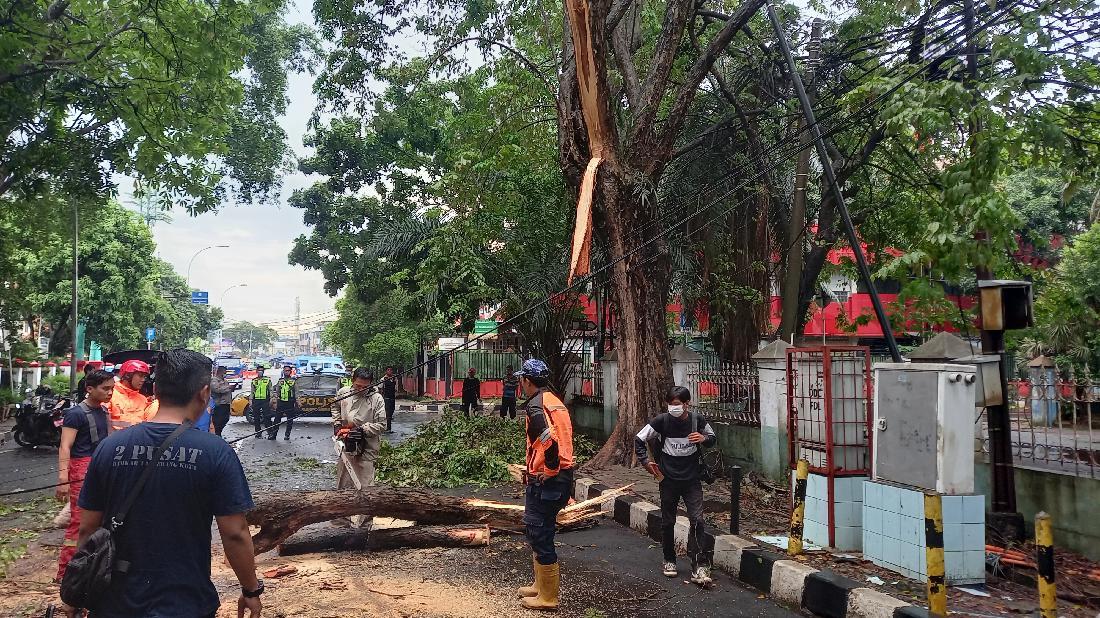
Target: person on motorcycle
128	405
85	424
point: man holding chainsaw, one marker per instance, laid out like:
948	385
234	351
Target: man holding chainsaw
358	419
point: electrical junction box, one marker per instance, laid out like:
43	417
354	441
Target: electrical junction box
924	426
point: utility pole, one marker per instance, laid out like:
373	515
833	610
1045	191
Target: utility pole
298	323
834	185
792	277
76	289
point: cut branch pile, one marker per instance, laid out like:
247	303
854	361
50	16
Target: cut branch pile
281	514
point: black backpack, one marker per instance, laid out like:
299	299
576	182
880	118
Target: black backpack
89	573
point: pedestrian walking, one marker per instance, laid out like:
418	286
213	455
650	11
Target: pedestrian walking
548	478
358	420
678	434
164	538
509	393
83	427
261	401
389	396
471	392
286	403
129	405
222	393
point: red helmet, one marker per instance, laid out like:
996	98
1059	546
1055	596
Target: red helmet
134	366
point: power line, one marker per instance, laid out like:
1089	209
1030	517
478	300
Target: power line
854	117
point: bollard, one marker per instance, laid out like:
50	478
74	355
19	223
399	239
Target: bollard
735	499
933	540
794	541
1044	561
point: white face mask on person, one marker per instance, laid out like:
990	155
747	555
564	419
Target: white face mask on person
676	410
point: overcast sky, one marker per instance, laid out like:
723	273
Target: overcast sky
259	237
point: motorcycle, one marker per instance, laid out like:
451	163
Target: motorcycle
38	420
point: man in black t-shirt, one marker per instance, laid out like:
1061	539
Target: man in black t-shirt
84	425
389	396
471	392
678	435
166	535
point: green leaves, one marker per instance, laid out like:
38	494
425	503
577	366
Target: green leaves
180	95
455	451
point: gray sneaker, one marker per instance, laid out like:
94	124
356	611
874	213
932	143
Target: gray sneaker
669	569
701	576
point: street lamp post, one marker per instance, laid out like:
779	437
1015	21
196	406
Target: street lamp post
193	261
239	285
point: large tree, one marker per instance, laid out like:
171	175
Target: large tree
182	96
124	288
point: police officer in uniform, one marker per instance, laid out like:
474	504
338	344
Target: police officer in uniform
549	480
286	402
261	400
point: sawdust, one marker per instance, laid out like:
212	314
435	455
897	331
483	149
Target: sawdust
355	584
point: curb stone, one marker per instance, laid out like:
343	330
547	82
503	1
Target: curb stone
821	593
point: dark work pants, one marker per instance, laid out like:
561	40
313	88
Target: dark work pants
220	417
692	494
468	408
541	504
261	415
391	405
281	408
508	406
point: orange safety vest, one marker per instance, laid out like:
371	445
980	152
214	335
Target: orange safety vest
129	407
561	431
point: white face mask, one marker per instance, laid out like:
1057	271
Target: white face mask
676	410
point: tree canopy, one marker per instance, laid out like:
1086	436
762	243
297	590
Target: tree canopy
181	96
124	287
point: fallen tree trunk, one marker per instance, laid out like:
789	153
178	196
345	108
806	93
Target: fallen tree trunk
345	539
281	514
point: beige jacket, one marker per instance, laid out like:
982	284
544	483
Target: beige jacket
366	411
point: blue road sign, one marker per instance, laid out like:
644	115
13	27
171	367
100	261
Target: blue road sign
150	333
200	298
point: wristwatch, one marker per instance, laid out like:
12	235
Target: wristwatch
252	594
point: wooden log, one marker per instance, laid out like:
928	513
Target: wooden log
281	514
353	539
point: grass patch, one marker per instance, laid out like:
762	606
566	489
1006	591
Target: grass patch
454	451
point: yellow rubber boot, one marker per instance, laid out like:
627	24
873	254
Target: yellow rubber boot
549	579
533	589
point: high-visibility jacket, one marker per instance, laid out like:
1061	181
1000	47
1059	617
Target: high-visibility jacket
129	407
345	382
285	390
559	432
261	389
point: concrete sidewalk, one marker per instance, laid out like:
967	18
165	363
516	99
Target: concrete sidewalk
794	583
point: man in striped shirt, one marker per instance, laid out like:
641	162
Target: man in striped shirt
678	435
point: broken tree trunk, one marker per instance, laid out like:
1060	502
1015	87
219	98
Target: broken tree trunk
345	539
281	514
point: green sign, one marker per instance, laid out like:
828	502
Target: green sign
485	326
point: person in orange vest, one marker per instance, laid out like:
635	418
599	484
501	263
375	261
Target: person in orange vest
128	406
549	480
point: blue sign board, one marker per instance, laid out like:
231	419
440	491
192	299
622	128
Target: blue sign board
150	334
200	298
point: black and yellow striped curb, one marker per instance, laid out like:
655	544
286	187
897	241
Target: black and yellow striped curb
792	583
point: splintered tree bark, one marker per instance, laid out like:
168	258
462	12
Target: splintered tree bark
281	514
344	539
